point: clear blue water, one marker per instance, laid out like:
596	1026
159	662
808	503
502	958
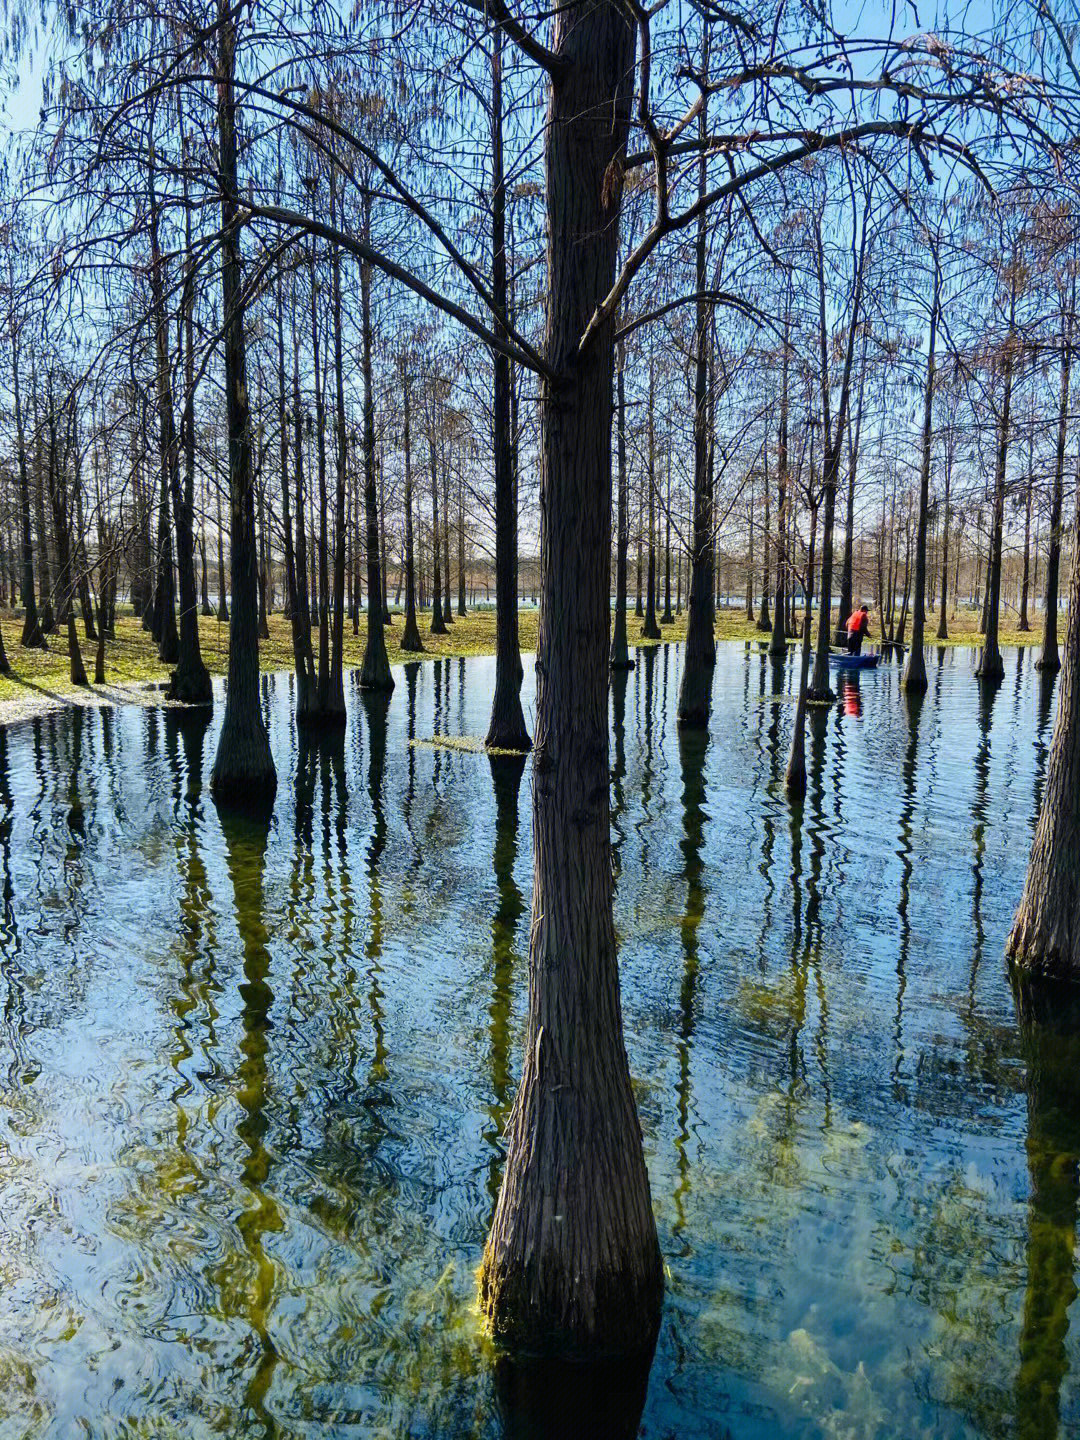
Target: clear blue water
252	1081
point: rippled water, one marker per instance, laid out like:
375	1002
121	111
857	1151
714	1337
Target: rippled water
252	1081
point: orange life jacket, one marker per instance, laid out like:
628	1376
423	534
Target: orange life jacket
854	624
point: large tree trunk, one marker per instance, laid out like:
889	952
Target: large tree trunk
820	688
572	1263
620	650
695	688
1049	1025
943	617
795	776
190	681
1025	582
448	609
847	571
410	639
45	606
59	500
991	668
778	643
650	630
667	618
1048	656
300	599
334	697
507	729
914	677
438	624
243	770
375	671
1045	937
32	637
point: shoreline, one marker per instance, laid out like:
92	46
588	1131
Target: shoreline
25	698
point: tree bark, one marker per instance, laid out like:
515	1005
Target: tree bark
943	617
410	639
1045	937
243	770
572	1264
438	625
795	775
991	668
695	687
506	730
32	637
914	677
620	650
375	671
1049	659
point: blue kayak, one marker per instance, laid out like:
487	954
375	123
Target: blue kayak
843	661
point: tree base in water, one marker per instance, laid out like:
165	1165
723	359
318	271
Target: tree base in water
1029	961
606	1316
191	687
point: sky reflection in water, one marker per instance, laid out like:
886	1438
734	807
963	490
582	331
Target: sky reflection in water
253	1079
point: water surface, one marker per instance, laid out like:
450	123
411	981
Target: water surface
253	1078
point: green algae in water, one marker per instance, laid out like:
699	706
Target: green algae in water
248	1189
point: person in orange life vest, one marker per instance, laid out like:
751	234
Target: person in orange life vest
858	628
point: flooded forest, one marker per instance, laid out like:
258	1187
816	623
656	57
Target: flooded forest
539	720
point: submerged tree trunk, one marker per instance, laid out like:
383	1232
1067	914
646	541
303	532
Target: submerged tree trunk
572	1262
243	770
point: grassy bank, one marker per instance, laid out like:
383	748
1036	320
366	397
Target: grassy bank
40	680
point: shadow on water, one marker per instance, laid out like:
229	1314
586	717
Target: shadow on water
1049	1019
